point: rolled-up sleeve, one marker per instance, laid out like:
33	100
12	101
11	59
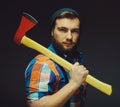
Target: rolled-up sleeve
39	79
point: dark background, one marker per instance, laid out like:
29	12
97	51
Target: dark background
99	42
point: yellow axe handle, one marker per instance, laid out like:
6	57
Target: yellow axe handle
101	86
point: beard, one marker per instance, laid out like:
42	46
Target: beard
61	50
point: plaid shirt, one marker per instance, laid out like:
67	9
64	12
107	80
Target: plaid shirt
45	77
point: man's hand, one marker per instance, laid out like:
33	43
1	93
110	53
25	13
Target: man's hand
78	74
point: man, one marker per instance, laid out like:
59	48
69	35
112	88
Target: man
47	83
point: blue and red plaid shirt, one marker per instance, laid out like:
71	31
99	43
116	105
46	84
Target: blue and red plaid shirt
45	77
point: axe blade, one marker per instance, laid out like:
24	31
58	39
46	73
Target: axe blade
30	17
27	22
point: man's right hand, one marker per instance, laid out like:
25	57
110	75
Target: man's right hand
78	74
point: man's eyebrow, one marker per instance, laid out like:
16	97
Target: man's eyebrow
62	27
76	28
65	28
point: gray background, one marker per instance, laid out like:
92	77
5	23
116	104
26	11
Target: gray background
99	42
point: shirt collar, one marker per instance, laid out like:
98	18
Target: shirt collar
51	48
80	56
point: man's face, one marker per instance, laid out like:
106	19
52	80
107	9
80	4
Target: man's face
66	34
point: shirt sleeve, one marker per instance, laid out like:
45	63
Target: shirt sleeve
39	79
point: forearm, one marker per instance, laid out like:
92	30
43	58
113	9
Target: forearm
58	99
77	75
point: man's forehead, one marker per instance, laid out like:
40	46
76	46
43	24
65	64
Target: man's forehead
68	22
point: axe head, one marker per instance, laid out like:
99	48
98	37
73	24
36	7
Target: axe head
27	22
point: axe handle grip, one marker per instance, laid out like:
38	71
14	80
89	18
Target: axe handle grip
101	86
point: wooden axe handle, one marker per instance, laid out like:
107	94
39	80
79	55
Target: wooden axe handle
101	86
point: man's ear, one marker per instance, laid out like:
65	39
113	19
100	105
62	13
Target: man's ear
51	32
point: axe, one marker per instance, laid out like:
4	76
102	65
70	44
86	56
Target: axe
28	22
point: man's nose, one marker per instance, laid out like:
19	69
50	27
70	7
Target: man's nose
69	35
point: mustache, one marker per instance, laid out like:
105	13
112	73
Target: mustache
67	42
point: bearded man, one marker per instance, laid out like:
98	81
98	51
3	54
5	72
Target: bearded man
47	83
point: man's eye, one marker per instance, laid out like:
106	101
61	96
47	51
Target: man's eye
76	31
63	30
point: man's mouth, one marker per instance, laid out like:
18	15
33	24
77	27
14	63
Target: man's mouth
68	43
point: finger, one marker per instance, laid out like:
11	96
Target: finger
82	67
76	64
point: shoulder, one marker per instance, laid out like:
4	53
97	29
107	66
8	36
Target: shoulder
44	59
47	63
